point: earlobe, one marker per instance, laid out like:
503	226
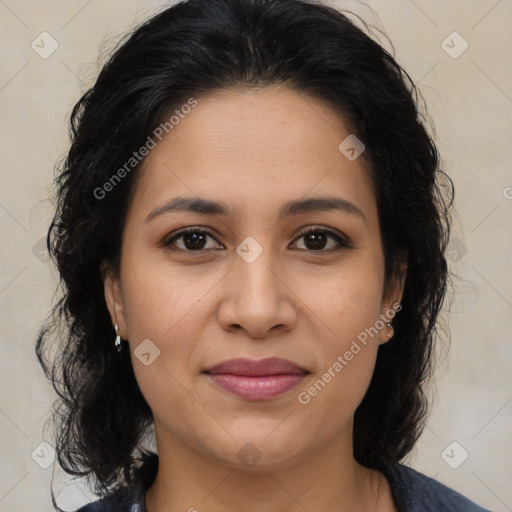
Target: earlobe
113	300
394	288
392	300
388	332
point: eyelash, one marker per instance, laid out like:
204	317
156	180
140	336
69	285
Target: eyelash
343	243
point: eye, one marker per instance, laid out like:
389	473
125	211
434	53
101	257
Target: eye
316	239
193	239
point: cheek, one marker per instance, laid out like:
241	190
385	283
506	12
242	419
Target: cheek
161	335
352	305
345	370
162	314
348	354
158	300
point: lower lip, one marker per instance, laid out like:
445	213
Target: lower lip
256	388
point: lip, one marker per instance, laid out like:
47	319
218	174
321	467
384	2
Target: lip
257	368
257	379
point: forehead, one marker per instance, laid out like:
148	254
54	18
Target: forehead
255	149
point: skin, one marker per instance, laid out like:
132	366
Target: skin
254	149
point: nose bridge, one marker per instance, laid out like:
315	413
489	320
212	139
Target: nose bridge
254	267
255	297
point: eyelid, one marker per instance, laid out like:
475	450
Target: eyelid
193	229
342	240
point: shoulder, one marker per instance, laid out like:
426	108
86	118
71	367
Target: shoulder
129	499
121	501
415	491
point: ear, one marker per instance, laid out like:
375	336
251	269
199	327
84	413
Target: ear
113	298
392	297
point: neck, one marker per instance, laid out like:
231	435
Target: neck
329	479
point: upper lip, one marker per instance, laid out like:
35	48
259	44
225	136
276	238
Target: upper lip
252	367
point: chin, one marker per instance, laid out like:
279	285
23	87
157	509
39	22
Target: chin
262	448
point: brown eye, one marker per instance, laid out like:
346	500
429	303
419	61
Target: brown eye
315	240
192	240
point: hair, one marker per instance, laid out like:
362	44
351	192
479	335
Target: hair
193	49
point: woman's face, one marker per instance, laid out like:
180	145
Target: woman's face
250	284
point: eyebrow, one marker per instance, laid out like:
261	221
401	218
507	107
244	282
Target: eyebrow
208	207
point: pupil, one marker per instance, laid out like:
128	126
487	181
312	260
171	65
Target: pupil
318	239
194	240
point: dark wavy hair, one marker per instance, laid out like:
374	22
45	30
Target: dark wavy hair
191	50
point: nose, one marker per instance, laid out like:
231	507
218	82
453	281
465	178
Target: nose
257	298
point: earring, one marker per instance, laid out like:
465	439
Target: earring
118	341
390	327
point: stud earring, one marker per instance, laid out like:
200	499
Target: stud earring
390	327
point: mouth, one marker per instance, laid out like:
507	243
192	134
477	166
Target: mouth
256	380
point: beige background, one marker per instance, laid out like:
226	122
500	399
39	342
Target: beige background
470	101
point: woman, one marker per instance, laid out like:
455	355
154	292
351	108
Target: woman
250	232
